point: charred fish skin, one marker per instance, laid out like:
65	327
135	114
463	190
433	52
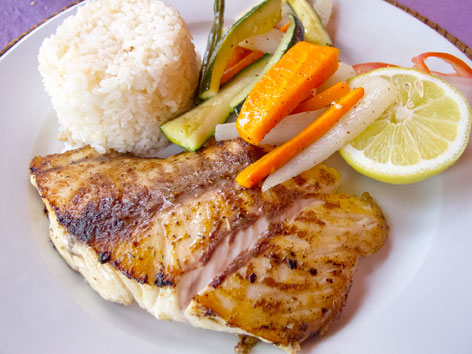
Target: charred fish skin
296	280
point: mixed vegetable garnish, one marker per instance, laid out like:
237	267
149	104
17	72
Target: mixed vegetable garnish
281	75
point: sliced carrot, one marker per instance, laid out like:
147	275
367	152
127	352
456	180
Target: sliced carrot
285	27
278	157
287	83
234	67
323	99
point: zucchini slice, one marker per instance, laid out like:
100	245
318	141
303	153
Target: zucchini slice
315	32
260	19
193	128
294	34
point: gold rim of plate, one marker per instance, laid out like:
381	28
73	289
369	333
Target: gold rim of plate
451	38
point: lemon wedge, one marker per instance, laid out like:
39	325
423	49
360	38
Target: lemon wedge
420	135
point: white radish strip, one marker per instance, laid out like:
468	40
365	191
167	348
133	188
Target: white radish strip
265	42
284	131
344	73
463	84
379	95
290	126
323	9
226	131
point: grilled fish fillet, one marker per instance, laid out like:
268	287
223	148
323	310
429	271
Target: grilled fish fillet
181	238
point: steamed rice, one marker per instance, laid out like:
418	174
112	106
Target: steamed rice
116	71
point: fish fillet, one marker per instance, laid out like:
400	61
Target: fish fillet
181	238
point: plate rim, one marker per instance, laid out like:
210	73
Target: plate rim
16	40
443	32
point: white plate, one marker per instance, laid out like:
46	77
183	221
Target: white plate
412	297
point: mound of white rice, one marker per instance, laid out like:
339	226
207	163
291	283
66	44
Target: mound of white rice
116	71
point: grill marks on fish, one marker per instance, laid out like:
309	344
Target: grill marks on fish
295	282
281	204
125	189
110	201
189	244
158	218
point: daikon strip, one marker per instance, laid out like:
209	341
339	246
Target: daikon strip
344	73
265	42
284	131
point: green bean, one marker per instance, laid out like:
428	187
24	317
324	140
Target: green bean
214	38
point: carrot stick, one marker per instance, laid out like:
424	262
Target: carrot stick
285	27
234	67
278	157
324	98
287	83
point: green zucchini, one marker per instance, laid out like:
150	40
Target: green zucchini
259	19
294	34
213	39
193	128
315	32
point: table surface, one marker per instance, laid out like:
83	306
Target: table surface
18	16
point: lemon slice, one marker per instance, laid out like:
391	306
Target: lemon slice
424	132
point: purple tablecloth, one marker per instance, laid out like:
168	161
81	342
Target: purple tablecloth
18	16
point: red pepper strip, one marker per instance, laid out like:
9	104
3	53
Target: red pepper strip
238	63
285	27
366	67
460	67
